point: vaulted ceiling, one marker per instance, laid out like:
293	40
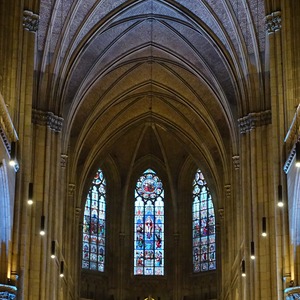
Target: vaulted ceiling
160	77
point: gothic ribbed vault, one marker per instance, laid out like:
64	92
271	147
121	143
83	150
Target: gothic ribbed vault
177	67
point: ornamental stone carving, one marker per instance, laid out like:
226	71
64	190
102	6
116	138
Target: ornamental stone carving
71	189
227	192
43	118
221	213
63	160
273	22
254	120
236	162
77	213
30	21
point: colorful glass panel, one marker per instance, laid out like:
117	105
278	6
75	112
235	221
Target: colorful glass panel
94	226
204	236
149	225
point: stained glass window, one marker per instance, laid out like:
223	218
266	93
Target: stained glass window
149	225
204	236
94	227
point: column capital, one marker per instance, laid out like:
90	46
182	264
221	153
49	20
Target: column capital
221	213
273	22
63	160
71	189
47	118
236	162
254	120
77	213
30	21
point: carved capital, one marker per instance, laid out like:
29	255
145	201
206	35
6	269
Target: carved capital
236	162
273	22
77	213
47	118
227	192
254	120
30	21
221	213
71	189
63	160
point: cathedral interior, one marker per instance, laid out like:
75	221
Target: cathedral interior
149	149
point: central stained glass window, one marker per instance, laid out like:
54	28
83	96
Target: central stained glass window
149	225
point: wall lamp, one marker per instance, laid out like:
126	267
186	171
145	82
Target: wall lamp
243	268
42	231
61	274
280	201
30	194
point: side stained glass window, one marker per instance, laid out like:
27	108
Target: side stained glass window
94	227
204	237
149	225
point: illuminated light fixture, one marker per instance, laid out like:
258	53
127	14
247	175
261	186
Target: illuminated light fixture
280	202
61	274
264	227
298	154
30	194
13	158
243	268
53	249
252	253
42	231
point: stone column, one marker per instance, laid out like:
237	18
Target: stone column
49	202
19	64
258	202
279	48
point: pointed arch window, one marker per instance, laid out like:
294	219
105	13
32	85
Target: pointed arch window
204	237
94	225
149	225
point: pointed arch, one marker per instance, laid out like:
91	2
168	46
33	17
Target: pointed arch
94	225
149	225
204	226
